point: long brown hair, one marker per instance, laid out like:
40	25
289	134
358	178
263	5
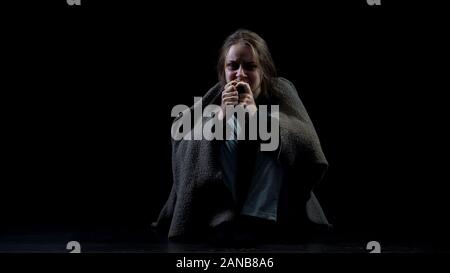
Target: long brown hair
260	49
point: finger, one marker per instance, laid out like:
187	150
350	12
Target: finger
230	94
234	97
231	83
231	97
231	100
225	103
229	89
246	87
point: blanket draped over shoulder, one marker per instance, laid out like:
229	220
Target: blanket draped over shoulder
199	198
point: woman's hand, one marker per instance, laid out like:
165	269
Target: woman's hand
246	97
231	96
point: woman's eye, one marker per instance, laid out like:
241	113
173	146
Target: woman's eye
233	66
250	67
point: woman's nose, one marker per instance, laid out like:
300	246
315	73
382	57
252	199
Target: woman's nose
241	72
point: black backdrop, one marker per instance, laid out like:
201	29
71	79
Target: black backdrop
88	92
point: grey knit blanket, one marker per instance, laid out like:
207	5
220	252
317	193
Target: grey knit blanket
199	198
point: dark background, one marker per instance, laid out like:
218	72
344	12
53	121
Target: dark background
87	94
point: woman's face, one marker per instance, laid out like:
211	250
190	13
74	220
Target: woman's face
241	65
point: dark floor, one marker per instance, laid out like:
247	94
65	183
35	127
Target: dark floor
126	241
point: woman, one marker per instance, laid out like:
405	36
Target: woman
231	188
